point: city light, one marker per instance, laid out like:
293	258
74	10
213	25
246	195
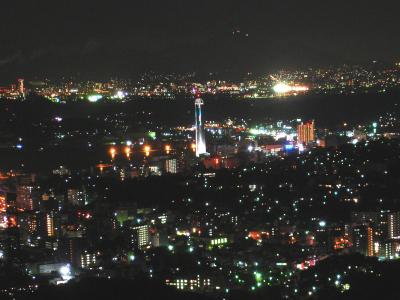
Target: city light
147	150
167	149
143	166
127	151
120	95
113	152
94	98
199	123
283	88
65	272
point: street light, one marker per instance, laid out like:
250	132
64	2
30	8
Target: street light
127	151
147	150
113	152
167	149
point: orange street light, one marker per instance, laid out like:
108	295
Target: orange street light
127	151
147	150
113	152
167	149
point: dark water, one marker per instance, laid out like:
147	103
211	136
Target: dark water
328	111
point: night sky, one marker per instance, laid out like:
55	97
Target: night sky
99	39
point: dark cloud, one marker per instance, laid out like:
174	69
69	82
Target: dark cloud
13	58
42	37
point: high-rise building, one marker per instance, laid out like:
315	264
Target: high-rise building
393	224
389	249
363	240
76	197
171	166
371	249
50	224
72	250
305	132
21	88
141	236
200	137
192	283
3	204
27	223
25	197
155	239
88	259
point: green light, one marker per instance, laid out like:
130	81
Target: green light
258	276
152	135
122	216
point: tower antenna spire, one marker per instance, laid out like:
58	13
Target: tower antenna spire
200	137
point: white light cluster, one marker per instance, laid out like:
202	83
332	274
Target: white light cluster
283	88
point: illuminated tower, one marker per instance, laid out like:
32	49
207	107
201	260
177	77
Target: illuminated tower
305	133
200	138
393	224
370	246
50	224
21	88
